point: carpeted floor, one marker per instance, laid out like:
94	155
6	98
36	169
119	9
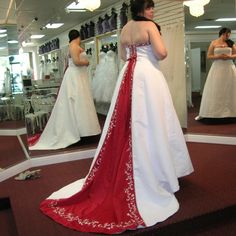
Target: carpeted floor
223	126
11	152
207	193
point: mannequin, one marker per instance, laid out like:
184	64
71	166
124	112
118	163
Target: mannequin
113	20
105	24
99	25
123	15
91	29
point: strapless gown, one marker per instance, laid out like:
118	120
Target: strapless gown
140	156
219	96
73	115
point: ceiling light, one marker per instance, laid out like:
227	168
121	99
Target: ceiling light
26	44
37	36
3	35
75	10
196	7
3	31
82	5
208	27
12	41
92	5
1	48
76	7
54	25
226	19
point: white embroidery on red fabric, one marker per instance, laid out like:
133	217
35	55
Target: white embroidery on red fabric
133	214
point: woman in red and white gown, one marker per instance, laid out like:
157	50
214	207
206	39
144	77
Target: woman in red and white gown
142	151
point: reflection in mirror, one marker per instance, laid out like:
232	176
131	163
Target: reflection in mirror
197	43
35	78
104	80
40	74
73	116
41	94
11	99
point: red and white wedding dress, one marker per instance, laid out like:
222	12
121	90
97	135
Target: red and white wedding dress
141	154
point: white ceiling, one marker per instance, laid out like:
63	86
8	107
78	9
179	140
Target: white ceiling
215	9
30	16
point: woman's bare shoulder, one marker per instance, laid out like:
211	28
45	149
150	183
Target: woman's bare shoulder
214	42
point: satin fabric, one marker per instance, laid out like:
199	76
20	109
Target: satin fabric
219	97
141	154
73	115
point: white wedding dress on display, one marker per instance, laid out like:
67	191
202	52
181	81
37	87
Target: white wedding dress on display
73	115
105	77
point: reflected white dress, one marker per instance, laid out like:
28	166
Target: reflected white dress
91	68
219	94
73	115
140	156
105	77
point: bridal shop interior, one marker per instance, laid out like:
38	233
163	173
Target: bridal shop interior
33	59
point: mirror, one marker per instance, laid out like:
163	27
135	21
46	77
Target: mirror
197	43
31	23
12	125
42	93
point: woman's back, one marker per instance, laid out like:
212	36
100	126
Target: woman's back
135	33
142	32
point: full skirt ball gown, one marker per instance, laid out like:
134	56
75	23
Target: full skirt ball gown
219	96
141	154
73	115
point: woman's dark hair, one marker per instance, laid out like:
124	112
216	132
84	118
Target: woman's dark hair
224	30
138	6
73	34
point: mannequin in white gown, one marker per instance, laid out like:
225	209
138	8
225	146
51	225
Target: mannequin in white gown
73	115
141	153
219	97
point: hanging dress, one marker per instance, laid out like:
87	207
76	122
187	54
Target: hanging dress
105	77
73	115
219	96
141	154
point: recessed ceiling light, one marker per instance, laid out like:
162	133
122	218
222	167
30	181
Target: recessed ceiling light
3	31
54	25
226	19
37	36
25	44
12	41
208	27
3	35
75	10
76	7
1	48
